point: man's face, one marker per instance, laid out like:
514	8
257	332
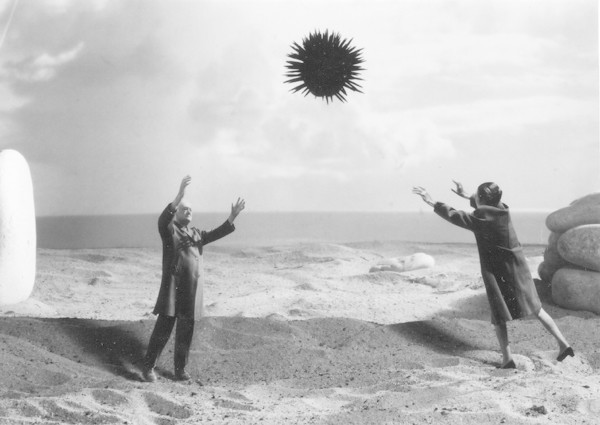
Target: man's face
183	215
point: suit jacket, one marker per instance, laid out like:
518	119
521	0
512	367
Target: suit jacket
508	282
182	268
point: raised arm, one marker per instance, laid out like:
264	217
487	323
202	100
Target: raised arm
167	214
418	190
225	228
460	191
236	209
185	182
456	217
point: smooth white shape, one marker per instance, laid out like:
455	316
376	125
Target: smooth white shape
405	264
17	229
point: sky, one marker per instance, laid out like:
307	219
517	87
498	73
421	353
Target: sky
112	102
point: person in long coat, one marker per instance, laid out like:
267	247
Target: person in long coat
181	292
508	283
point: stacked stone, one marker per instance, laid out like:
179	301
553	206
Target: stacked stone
572	259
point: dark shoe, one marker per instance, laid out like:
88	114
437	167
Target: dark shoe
509	365
149	375
566	352
182	376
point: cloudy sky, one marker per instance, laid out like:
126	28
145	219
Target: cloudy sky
112	102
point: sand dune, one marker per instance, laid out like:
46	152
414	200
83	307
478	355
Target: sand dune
296	334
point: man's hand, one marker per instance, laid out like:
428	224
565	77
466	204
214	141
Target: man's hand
185	182
186	242
418	190
460	191
236	209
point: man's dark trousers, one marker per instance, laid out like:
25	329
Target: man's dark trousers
160	336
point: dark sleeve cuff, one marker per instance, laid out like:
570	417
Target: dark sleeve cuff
170	208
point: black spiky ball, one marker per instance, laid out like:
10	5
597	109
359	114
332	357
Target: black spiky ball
325	66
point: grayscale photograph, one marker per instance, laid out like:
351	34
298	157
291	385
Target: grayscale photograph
304	212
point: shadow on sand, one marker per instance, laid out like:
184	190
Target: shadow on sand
440	336
477	306
118	346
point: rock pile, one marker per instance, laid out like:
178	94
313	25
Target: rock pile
572	259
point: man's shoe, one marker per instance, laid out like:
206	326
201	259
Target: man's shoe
149	375
182	376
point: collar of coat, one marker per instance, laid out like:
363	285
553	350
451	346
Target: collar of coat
488	211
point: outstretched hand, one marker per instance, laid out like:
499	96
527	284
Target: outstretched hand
185	182
460	191
418	190
236	209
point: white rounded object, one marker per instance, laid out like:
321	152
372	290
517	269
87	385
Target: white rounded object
405	264
17	229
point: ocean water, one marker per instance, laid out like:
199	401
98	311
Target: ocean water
261	229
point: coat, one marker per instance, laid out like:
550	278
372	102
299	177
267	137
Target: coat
508	283
182	266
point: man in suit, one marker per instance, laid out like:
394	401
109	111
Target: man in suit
182	277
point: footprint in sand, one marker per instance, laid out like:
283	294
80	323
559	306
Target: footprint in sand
25	409
109	397
164	407
234	405
46	378
74	414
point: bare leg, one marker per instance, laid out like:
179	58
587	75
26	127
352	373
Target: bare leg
502	335
553	329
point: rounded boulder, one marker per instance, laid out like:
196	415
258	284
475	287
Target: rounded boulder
581	246
546	271
591	199
577	214
577	289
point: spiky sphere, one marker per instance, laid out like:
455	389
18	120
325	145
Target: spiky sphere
325	66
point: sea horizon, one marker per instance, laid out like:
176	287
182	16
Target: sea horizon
271	228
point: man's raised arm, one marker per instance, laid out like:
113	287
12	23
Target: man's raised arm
167	214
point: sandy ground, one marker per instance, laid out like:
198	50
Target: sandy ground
294	334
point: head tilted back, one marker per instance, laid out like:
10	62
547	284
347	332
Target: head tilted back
489	193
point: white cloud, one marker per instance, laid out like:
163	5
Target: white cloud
45	66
